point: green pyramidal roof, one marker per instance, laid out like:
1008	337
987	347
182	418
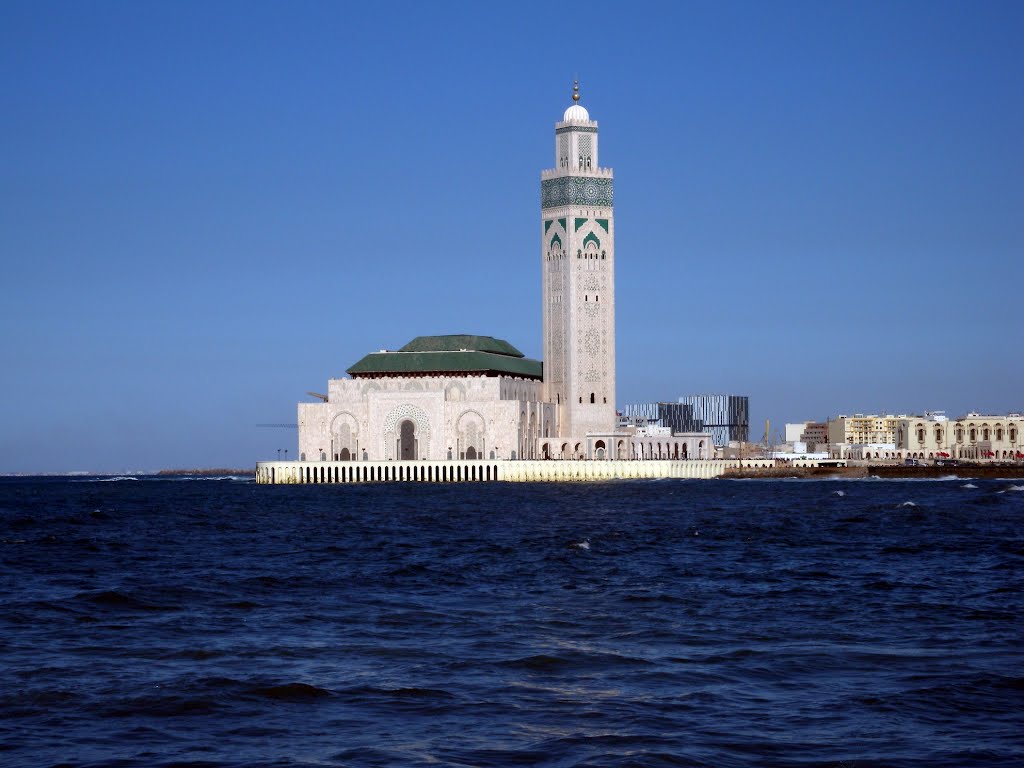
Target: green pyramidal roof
459	343
447	355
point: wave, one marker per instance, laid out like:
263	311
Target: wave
408	692
233	478
290	692
113	599
574	660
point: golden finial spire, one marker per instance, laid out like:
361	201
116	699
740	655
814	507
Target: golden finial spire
575	90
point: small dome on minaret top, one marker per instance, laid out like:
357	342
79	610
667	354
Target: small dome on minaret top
576	112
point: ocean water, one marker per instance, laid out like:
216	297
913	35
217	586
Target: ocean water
190	622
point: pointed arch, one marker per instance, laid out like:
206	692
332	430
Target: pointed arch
421	424
344	434
470	430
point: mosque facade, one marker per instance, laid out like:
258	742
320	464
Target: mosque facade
471	397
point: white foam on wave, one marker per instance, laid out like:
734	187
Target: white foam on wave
1016	488
236	478
838	493
969	485
908	504
585	545
113	479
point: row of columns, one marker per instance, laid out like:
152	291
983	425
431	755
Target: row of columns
320	472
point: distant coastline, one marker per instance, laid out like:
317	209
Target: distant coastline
218	472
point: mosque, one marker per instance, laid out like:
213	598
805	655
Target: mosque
467	397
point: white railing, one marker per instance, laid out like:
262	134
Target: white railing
344	472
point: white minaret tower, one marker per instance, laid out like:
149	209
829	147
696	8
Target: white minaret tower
578	260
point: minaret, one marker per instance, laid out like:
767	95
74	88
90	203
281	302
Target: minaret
578	261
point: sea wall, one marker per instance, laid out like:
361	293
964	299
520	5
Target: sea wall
342	472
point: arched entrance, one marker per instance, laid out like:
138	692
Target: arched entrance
599	450
471	453
407	440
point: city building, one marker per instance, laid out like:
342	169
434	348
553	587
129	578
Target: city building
474	397
975	436
794	431
933	436
809	434
861	429
725	417
677	417
815	435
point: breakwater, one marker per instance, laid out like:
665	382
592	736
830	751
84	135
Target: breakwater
343	472
881	471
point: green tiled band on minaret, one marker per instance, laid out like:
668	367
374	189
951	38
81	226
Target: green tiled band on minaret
576	190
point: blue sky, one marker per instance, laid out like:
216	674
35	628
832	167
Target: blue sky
210	208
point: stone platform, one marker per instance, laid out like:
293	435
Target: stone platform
344	472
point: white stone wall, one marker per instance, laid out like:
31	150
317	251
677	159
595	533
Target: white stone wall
503	416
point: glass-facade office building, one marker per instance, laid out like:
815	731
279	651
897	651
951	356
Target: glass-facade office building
725	417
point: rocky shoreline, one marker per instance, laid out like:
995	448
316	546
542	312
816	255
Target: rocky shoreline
883	471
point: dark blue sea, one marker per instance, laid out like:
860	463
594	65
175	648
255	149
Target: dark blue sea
196	622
